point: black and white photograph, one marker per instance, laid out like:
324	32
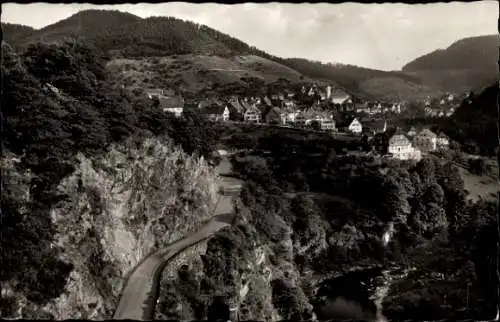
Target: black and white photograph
265	161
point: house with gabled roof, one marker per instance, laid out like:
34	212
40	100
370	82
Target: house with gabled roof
170	104
363	108
216	112
328	125
325	120
151	93
342	100
252	114
352	125
236	109
209	101
375	126
275	115
401	148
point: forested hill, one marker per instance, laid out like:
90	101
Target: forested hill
469	53
377	83
125	35
474	124
12	32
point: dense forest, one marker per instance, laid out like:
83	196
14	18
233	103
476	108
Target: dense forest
479	53
124	34
49	115
436	230
474	124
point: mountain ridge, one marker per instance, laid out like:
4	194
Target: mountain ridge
479	52
124	35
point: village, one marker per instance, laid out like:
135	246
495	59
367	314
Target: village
325	109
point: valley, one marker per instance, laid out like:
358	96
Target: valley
128	36
157	168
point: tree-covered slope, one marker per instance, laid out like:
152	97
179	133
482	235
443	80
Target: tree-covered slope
474	124
131	36
126	36
467	64
469	53
64	130
12	32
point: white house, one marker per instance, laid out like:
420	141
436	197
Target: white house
354	126
401	148
327	125
291	116
252	115
174	105
154	93
375	126
177	111
363	109
324	120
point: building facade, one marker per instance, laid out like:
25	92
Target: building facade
252	115
355	126
401	148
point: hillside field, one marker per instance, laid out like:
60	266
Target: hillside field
193	73
479	187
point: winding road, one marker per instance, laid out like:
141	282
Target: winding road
139	296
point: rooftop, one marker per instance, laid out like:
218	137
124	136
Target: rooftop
399	139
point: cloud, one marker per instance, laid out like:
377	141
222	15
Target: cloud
383	36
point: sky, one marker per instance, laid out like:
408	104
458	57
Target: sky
379	36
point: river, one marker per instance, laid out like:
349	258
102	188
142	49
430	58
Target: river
354	295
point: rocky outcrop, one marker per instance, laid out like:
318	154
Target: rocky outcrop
119	208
